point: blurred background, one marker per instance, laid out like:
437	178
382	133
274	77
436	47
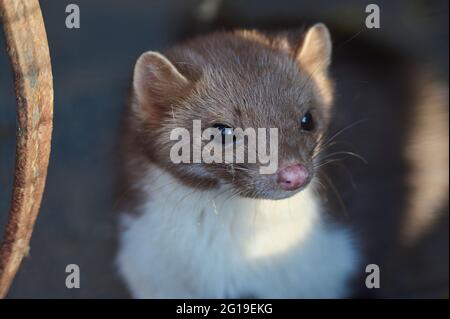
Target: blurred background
92	70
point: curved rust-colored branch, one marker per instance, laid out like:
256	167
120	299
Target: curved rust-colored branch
27	46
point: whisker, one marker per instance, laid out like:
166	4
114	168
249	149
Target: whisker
327	163
337	194
346	153
352	125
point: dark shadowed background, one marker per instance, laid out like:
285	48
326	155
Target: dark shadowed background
92	69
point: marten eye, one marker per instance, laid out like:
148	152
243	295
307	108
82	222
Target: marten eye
307	122
224	131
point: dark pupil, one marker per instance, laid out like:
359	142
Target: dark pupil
307	122
224	131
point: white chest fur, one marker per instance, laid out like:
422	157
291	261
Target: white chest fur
186	244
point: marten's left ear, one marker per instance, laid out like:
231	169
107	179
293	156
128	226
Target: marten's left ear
314	54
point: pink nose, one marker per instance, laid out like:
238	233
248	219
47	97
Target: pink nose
292	177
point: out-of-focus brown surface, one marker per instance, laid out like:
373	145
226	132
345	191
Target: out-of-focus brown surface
28	50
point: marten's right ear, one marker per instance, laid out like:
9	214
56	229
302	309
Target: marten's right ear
155	80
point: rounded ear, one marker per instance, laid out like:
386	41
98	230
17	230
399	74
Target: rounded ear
315	53
155	79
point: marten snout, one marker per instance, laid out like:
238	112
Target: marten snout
292	177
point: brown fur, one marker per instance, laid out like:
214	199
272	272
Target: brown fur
242	78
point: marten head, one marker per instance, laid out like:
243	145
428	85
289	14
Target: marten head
230	80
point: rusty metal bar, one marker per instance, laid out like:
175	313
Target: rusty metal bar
27	46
